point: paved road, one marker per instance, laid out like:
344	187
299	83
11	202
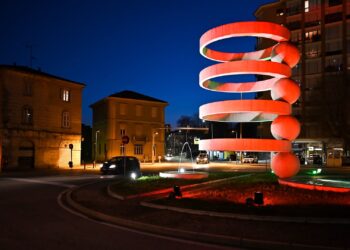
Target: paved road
31	218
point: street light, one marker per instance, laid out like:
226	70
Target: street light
234	132
97	131
154	134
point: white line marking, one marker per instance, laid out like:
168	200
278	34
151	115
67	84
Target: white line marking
42	182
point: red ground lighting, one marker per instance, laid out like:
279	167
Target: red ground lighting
274	62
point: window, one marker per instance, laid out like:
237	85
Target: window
312	50
122	132
65	95
333	31
27	115
313	66
138	110
138	149
154	112
334	63
306	5
65	119
122	149
313	35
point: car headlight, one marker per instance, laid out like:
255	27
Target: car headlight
197	158
133	175
205	158
112	166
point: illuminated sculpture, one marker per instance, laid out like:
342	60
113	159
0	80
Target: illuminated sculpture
275	62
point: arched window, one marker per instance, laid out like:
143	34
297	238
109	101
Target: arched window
65	119
27	115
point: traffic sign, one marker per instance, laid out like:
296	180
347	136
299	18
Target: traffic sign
125	139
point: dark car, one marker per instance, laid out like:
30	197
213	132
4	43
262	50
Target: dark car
202	158
117	164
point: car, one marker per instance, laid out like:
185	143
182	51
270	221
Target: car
249	159
118	164
202	158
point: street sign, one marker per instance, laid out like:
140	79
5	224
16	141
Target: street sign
125	139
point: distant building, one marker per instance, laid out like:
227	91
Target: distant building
131	114
40	116
321	31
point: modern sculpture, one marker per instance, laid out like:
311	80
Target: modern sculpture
275	62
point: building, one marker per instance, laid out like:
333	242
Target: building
127	113
40	117
321	31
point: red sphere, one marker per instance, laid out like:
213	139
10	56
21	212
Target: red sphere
285	165
285	127
286	53
285	89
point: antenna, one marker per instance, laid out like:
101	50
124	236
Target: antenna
31	57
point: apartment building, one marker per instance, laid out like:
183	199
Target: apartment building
321	31
131	114
40	119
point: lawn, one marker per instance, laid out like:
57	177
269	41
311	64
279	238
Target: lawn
230	196
154	182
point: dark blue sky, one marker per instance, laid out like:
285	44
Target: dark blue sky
148	46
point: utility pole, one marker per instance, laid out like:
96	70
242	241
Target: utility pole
97	131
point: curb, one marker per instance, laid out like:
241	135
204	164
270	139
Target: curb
189	235
309	220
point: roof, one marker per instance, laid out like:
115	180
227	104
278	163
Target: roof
25	69
267	5
127	94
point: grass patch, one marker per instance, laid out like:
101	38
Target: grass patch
147	184
230	196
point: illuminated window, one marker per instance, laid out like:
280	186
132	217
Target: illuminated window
65	95
154	112
27	115
122	149
138	149
65	119
306	5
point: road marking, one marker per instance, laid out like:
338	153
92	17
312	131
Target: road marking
149	234
42	182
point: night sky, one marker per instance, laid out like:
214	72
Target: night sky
148	46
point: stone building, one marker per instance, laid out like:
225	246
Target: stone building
40	116
321	31
131	114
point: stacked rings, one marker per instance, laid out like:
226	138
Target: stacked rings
274	62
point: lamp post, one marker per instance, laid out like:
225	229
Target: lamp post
154	134
234	132
97	131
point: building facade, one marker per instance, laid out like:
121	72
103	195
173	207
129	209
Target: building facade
127	113
321	31
40	119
